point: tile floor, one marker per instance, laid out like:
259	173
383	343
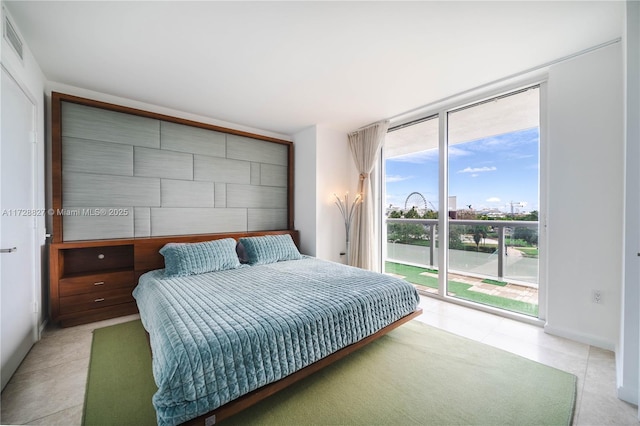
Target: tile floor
48	388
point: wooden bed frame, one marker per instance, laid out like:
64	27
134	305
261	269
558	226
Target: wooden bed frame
148	258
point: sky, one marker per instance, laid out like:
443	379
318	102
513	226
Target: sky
488	173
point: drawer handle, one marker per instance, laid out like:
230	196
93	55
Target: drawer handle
99	283
99	300
101	256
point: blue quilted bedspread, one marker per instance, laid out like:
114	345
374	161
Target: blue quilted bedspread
220	335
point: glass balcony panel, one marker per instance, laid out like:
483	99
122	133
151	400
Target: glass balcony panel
410	252
521	255
482	271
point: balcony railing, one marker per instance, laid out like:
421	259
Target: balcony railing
492	264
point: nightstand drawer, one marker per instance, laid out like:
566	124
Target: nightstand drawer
95	283
88	301
95	260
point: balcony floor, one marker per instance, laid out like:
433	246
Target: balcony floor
510	291
492	294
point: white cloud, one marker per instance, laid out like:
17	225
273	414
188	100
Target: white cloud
493	200
477	169
397	178
454	151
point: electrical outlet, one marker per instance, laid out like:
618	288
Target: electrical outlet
596	297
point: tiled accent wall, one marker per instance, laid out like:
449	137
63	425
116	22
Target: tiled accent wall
128	176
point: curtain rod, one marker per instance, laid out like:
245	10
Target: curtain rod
509	77
370	125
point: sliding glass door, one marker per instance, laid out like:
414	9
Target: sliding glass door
493	192
475	167
411	158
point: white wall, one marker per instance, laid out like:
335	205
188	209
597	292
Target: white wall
628	350
305	143
29	76
585	196
323	167
336	174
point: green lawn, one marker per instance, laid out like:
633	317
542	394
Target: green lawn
494	282
460	290
529	251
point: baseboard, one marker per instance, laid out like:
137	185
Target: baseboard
580	337
43	325
628	394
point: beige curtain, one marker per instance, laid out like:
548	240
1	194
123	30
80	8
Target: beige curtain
365	145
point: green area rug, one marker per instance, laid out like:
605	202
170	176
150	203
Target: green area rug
416	374
120	382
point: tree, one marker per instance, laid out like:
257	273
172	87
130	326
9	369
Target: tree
404	232
455	239
527	234
412	214
479	232
430	214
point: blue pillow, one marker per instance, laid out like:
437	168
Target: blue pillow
242	253
270	249
182	259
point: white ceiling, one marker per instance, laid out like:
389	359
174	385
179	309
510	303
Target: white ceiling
283	66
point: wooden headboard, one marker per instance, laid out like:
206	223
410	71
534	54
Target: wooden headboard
120	173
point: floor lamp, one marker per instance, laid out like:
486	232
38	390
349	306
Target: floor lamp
347	210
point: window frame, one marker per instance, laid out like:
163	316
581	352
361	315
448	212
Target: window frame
440	110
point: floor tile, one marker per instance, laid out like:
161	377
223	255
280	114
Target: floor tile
68	417
576	365
456	326
34	395
603	408
53	351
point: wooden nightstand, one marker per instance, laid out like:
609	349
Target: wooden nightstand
91	281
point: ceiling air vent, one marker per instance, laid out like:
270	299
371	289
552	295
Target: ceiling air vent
11	36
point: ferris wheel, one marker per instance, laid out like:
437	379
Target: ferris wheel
417	200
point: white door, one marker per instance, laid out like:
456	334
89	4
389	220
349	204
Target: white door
17	220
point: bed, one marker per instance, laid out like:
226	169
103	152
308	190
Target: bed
231	322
